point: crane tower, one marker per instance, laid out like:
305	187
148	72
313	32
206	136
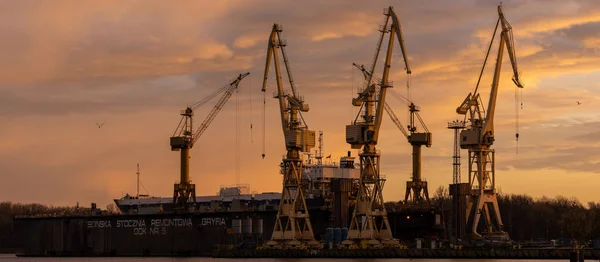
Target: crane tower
416	189
369	219
184	138
478	138
292	226
456	126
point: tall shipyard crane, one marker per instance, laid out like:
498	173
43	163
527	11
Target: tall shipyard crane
478	139
185	137
292	225
416	189
369	219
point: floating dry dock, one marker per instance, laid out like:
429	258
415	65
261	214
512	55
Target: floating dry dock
491	253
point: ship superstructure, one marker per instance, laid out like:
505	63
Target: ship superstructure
317	178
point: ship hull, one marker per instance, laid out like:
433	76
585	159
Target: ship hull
166	234
147	235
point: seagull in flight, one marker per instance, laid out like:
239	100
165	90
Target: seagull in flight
99	125
578	103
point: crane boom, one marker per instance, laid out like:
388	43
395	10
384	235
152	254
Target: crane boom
416	189
293	222
384	82
185	137
395	119
369	207
387	107
398	29
506	39
479	137
273	44
217	108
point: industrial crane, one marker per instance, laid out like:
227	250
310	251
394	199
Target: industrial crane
369	219
185	137
478	139
416	189
292	225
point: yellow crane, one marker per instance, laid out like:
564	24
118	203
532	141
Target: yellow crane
184	138
417	193
292	226
478	139
369	218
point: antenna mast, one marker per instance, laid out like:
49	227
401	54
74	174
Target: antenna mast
457	126
138	181
320	155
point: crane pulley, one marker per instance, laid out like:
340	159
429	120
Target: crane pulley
185	137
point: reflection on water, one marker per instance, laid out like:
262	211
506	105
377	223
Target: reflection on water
11	258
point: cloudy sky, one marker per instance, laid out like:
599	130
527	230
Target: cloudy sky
135	64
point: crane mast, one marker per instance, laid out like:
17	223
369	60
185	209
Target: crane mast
185	137
292	225
478	139
369	219
417	192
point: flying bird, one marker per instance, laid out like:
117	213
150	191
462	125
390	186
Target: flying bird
99	125
578	103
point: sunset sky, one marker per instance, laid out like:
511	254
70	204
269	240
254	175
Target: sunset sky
133	65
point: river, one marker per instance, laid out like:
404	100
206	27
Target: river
11	258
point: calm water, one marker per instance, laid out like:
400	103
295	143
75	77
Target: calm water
10	258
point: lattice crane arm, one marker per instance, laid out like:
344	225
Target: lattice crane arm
208	98
217	108
184	126
394	119
422	123
387	108
368	76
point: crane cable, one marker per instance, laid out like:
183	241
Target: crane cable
250	87
352	94
408	95
263	123
237	135
518	105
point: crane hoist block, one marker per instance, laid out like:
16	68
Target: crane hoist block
420	139
303	139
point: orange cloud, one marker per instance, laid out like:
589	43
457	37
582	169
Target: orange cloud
136	64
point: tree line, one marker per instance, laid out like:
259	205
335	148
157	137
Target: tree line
526	218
